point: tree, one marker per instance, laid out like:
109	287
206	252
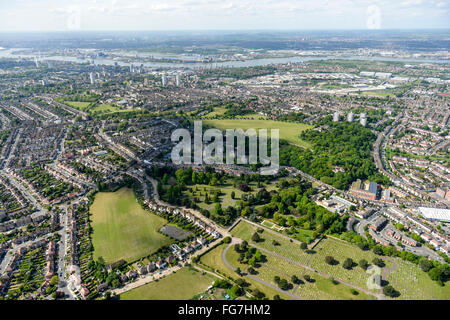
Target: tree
307	277
283	284
348	264
436	274
218	209
378	262
363	264
256	237
220	283
233	194
238	271
54	281
390	291
258	294
378	250
251	270
294	279
363	246
425	264
165	178
240	282
236	291
258	255
276	297
329	260
276	279
303	246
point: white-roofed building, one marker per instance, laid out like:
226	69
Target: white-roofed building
435	214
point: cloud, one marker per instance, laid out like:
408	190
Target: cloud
411	3
233	14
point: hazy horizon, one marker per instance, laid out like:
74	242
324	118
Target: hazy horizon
200	15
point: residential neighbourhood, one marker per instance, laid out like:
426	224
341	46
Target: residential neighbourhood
94	207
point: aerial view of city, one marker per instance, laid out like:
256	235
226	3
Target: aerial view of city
257	150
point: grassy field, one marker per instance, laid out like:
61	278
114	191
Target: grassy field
413	284
220	111
407	278
122	229
213	259
182	285
379	93
78	105
320	289
226	189
101	108
340	251
288	131
291	250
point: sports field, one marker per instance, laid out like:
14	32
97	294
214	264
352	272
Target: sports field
182	285
122	229
289	131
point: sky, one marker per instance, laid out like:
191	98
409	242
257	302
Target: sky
114	15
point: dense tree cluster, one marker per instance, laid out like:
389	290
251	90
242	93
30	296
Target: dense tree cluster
293	117
345	145
292	199
249	255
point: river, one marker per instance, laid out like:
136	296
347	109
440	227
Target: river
198	65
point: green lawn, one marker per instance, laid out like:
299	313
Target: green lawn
213	259
340	251
101	108
414	284
226	188
381	93
289	131
220	111
291	250
407	278
321	289
105	108
182	285
337	249
122	229
78	105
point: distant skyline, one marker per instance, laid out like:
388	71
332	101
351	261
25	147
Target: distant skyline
113	15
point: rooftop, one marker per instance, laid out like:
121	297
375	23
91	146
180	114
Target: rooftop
435	213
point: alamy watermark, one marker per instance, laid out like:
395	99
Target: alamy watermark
209	147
